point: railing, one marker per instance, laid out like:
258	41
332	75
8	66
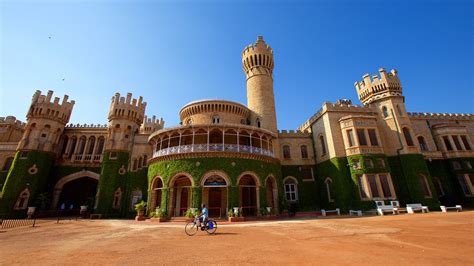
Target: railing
87	157
213	148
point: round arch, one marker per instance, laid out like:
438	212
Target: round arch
179	196
212	173
180	174
271	188
252	174
58	188
155	192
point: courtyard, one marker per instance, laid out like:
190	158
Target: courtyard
434	238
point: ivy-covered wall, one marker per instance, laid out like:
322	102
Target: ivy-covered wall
3	178
136	180
198	167
110	180
342	189
19	178
308	199
406	170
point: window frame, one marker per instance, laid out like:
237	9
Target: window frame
364	187
291	182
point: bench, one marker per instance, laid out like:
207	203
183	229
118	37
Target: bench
382	208
396	206
458	208
355	213
325	212
96	216
413	207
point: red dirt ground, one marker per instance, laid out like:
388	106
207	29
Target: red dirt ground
434	238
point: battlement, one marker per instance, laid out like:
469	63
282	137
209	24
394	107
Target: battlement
294	134
86	126
342	105
151	124
258	56
370	89
127	108
42	107
11	120
444	116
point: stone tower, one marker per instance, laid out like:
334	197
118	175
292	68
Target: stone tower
257	60
385	93
36	151
125	117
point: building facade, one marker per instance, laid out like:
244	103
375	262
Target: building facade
226	154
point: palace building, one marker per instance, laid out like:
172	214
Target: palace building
227	154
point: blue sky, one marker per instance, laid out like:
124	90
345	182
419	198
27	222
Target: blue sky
174	52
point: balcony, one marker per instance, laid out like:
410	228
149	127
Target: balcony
213	148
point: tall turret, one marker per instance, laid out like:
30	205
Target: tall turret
46	122
36	152
257	60
125	117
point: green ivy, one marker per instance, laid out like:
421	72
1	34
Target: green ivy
197	167
307	199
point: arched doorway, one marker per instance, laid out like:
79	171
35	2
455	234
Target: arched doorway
79	192
76	189
180	195
214	193
271	191
156	193
248	195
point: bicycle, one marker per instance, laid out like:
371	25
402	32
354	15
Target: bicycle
191	228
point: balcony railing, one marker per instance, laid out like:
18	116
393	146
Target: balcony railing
212	148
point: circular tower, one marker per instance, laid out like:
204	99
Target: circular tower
257	60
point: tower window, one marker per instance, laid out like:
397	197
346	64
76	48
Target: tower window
258	122
286	152
423	146
304	152
385	111
215	119
323	145
408	139
361	137
447	143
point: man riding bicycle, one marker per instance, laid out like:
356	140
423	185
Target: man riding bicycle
204	215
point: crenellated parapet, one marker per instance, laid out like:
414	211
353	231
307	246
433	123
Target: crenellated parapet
371	89
12	121
43	107
443	116
86	126
257	58
294	134
151	125
127	108
342	105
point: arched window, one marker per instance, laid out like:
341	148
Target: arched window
291	188
385	111
423	146
117	199
407	135
7	164
304	152
286	152
329	190
215	119
425	187
258	122
22	201
323	145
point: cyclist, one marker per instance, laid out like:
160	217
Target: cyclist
204	215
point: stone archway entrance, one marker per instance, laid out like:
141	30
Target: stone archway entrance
180	196
248	195
214	194
76	189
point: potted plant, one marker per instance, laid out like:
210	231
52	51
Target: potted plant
190	214
140	209
235	215
159	216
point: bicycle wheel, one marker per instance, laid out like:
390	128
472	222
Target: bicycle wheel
191	228
211	227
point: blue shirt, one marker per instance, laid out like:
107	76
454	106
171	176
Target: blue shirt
205	213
